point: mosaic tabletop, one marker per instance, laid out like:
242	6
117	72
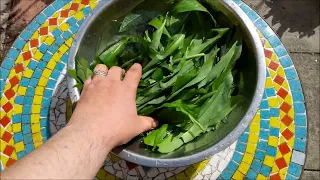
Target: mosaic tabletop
35	105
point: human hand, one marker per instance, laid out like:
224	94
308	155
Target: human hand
107	106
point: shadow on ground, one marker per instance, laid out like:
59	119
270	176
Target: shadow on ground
300	16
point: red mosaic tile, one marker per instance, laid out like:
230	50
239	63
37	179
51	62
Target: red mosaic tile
53	21
278	79
275	177
287	134
285	107
64	13
6	136
7	107
131	165
19	68
287	120
9	93
14	81
267	53
44	31
10	162
8	150
273	65
85	2
74	6
27	55
5	121
282	93
281	163
284	148
34	43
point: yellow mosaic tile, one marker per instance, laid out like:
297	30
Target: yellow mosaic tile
19	146
253	138
274	122
35	35
261	177
269	83
3	101
282	139
37	137
181	176
267	44
14	155
268	160
243	168
291	112
19	60
52	28
267	61
101	174
49	40
18	109
280	72
93	4
291	142
63	49
38	144
283	173
274	56
51	64
79	15
273	141
36	109
273	102
285	85
35	128
43	81
251	148
274	169
37	100
43	39
238	175
4	159
25	47
27	73
16	127
2	144
288	100
69	42
272	73
37	56
35	118
57	57
114	158
191	172
248	158
276	87
11	74
64	27
287	157
39	90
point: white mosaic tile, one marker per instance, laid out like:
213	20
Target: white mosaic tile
298	157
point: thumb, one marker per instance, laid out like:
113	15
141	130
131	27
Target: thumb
148	123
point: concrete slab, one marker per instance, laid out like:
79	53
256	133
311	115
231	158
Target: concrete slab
310	175
296	22
307	66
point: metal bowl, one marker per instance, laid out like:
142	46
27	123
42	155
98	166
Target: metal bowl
100	26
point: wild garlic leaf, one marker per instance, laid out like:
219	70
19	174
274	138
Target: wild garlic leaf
110	56
132	20
156	136
73	74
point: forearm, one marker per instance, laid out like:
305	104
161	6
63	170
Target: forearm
73	153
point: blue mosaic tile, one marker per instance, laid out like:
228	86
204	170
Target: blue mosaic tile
290	177
291	73
55	74
265	170
280	51
2	84
33	64
45	132
300	132
264	114
267	32
30	92
43	48
247	129
270	92
245	8
17	137
274	112
37	73
47	56
297	96
300	145
274	41
44	122
33	26
294	169
66	35
19	43
33	82
44	112
51	84
299	107
58	4
28	100
74	28
300	119
26	109
41	18
26	35
268	73
72	20
285	61
260	24
264	104
21	154
264	124
232	166
243	137
19	99
59	41
64	58
274	131
48	93
26	129
259	155
26	119
253	16
29	147
295	85
49	11
7	63
59	67
241	147
262	145
256	165
4	73
46	102
264	134
24	82
57	32
80	22
226	175
272	151
237	157
16	118
53	48
238	2
42	65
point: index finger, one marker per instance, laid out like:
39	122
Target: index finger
133	76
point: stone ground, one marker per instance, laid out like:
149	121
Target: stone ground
295	21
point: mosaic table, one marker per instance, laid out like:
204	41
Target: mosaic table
35	105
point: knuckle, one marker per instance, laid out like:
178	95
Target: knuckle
115	68
100	66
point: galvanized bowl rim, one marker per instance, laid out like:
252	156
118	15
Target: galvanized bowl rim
226	141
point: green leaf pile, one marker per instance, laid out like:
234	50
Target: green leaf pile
188	81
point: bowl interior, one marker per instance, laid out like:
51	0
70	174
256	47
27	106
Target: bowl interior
103	30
